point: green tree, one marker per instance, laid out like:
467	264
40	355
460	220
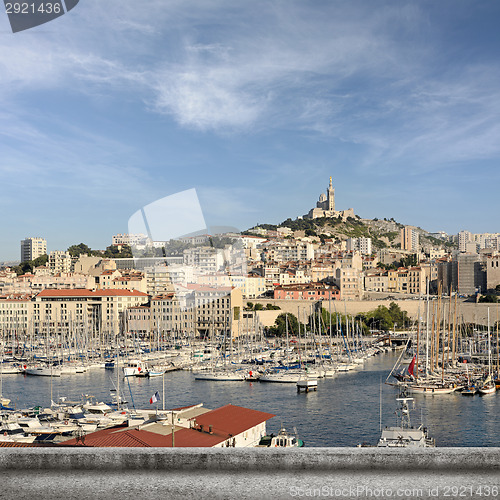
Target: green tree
77	250
280	325
380	318
115	252
410	261
249	306
398	316
488	298
258	307
28	266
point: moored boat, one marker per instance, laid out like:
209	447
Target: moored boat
404	435
283	439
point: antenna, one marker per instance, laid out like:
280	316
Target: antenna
380	397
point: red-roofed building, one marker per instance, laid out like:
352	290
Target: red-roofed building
228	426
307	291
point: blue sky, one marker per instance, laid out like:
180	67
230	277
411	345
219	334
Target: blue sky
255	104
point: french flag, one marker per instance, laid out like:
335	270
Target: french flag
154	398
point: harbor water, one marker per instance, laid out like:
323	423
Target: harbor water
346	410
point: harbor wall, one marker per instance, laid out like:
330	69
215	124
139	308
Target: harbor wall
468	312
154	473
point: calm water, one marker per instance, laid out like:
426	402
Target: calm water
344	411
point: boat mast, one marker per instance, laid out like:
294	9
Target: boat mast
427	333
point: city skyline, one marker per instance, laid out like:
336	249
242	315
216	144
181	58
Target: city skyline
115	105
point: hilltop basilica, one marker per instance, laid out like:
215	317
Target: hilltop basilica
325	207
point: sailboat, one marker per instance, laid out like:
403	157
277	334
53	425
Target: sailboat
470	389
488	387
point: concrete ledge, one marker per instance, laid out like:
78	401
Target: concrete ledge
249	459
248	473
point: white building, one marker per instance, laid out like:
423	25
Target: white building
31	248
361	245
464	237
129	239
204	259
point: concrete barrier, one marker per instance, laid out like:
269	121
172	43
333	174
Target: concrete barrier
128	473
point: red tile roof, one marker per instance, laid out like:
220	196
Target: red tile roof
226	421
231	419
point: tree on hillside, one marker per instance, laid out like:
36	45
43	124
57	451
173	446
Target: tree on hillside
410	261
77	250
28	266
118	252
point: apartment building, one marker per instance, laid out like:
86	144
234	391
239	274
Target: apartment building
204	259
307	291
15	314
291	251
31	248
376	281
350	283
409	239
79	310
216	310
59	262
361	245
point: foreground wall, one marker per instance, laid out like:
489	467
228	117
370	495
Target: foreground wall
154	473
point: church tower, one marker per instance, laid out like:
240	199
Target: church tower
331	197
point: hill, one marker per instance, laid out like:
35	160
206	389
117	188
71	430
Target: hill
384	233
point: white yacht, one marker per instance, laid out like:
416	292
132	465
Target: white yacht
405	435
135	367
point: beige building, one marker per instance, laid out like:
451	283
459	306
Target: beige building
409	239
492	272
251	286
216	310
322	272
99	312
199	309
59	262
350	283
376	281
28	284
15	315
84	264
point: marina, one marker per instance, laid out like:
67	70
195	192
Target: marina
346	410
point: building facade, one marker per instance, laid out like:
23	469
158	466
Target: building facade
31	248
